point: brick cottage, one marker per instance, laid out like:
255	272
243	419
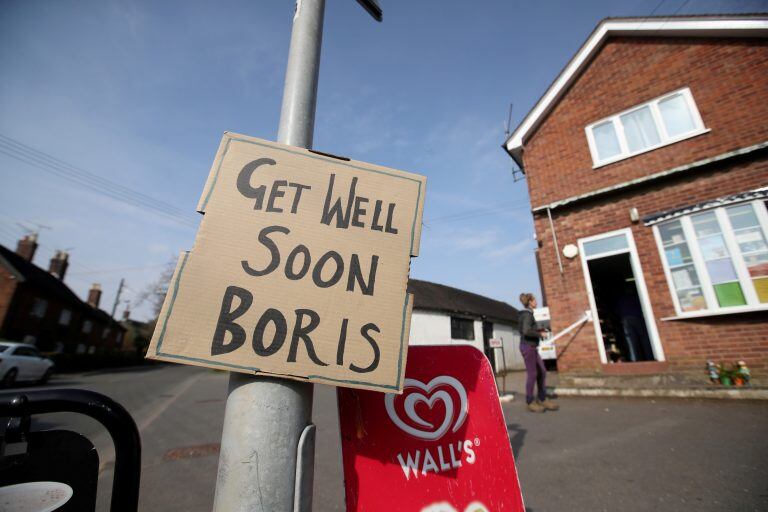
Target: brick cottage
647	167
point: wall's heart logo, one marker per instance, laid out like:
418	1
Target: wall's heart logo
443	389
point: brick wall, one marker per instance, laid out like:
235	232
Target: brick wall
727	77
687	343
729	82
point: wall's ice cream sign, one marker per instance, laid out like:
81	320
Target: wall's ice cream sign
440	446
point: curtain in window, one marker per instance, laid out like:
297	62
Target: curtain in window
640	129
676	115
606	141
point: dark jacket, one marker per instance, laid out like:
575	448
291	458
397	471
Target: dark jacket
529	330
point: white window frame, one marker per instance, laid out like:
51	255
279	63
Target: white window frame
664	138
642	290
742	273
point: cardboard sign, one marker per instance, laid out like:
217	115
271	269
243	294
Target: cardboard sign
495	343
440	446
299	269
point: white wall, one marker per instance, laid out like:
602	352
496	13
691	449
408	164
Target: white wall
511	340
429	328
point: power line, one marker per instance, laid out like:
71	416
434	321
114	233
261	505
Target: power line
77	171
120	269
15	232
475	213
52	165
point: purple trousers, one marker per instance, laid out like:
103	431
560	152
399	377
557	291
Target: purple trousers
535	372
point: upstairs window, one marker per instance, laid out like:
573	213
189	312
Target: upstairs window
39	307
65	317
665	120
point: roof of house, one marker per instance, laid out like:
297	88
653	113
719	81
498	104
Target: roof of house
437	297
743	25
38	277
750	195
48	283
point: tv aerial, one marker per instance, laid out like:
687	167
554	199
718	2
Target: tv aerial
517	172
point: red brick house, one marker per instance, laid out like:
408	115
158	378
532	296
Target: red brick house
647	167
37	307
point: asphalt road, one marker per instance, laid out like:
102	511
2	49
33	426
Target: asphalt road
594	454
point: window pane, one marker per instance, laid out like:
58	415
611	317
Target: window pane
761	288
462	329
729	294
705	224
742	216
606	141
678	254
640	129
671	232
713	247
608	244
676	115
752	244
757	264
685	277
692	300
751	240
721	271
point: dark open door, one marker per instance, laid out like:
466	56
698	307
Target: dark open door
487	335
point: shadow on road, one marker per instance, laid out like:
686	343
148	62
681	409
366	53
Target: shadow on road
516	437
128	369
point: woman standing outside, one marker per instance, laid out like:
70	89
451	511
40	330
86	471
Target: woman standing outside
536	373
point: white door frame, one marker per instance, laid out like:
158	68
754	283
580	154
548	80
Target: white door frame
642	290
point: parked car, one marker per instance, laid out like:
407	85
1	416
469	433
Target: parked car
20	361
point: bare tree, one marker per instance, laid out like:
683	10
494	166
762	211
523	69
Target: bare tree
154	293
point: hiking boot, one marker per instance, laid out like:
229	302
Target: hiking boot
549	405
535	407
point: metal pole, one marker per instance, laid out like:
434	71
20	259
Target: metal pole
117	297
267	445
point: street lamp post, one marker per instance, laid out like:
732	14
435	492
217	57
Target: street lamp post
266	462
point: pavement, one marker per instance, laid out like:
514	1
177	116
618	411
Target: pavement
596	453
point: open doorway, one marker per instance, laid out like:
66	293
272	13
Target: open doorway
623	326
623	319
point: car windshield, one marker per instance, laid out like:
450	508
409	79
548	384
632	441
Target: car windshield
3	347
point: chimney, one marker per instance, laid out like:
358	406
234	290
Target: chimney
94	295
27	246
59	264
126	314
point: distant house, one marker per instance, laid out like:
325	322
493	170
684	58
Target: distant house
446	315
647	165
137	334
37	307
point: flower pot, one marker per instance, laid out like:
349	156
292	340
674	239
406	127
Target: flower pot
738	381
725	380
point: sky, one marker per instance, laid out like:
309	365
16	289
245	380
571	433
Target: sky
139	93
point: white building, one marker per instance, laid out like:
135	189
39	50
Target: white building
444	315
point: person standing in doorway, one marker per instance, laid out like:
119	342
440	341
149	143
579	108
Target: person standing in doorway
536	373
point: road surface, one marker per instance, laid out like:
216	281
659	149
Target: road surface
594	454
